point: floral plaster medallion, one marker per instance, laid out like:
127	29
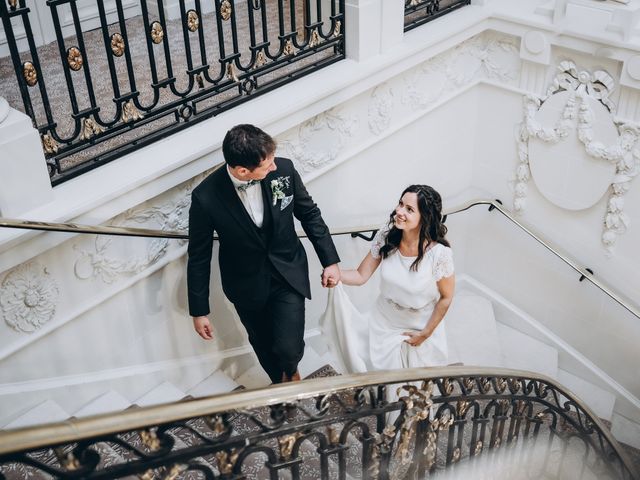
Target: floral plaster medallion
574	151
28	297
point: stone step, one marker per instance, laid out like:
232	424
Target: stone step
46	412
164	393
471	331
597	399
110	401
521	352
215	384
254	377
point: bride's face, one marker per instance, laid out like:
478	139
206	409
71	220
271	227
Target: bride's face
407	215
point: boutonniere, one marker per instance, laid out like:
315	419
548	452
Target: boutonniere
277	186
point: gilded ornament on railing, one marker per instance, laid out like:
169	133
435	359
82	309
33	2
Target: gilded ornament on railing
227	460
175	471
147	475
117	44
49	145
13	4
74	58
514	385
288	47
156	32
337	29
478	448
496	442
504	406
89	129
216	424
286	445
447	386
68	461
455	457
130	112
261	59
150	439
225	10
462	406
430	448
333	435
315	39
231	72
29	73
468	383
193	21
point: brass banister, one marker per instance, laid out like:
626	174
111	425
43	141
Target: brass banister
513	389
585	274
77	429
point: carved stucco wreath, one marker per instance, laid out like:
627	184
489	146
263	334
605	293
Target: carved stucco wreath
623	154
28	297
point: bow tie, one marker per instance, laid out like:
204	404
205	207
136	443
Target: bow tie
245	186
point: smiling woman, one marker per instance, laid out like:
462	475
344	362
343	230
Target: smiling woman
404	329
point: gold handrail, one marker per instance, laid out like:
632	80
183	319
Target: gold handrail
626	303
76	429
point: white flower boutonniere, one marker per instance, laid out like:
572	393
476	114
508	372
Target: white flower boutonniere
277	186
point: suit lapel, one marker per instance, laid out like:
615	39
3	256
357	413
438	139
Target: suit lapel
227	193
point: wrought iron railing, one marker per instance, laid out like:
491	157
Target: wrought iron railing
132	81
584	272
419	12
409	423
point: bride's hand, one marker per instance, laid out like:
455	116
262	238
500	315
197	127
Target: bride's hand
416	338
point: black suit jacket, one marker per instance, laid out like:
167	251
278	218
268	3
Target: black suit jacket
246	257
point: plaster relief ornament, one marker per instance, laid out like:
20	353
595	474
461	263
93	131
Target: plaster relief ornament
28	297
584	143
319	140
110	258
488	56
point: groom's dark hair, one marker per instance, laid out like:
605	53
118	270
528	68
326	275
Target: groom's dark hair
246	146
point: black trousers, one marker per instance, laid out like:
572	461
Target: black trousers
276	329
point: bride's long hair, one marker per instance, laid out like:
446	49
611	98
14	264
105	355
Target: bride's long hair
431	226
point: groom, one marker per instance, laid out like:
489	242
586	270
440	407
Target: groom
250	202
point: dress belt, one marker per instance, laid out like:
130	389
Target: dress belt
402	308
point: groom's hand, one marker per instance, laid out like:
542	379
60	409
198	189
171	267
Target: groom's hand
203	327
331	276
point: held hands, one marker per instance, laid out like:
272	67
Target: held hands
330	276
202	325
416	338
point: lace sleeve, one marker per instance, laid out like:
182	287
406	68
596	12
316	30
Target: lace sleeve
378	241
443	265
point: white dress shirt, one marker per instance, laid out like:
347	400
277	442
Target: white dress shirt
251	198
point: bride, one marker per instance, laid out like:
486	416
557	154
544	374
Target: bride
405	328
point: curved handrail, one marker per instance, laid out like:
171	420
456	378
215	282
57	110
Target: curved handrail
492	204
77	429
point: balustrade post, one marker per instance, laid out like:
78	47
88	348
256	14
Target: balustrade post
392	24
24	179
363	31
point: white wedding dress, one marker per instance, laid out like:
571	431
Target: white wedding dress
373	340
